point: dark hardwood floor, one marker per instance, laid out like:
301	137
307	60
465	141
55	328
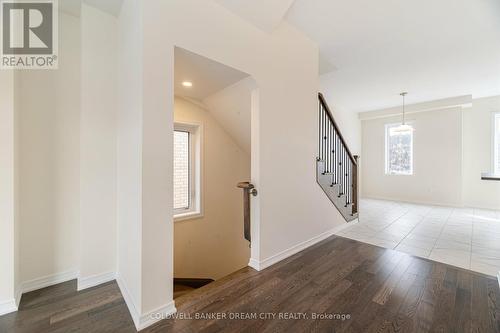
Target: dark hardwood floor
369	289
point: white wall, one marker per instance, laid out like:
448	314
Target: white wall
17	208
437	174
453	146
478	156
98	146
348	121
49	106
213	246
285	150
7	193
129	155
289	197
57	149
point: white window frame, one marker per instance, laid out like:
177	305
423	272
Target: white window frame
495	155
195	166
386	150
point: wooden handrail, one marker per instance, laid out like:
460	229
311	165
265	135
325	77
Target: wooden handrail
337	129
248	189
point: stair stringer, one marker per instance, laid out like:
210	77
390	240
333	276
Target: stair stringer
332	192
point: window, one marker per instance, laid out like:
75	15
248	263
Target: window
187	200
496	143
398	150
181	170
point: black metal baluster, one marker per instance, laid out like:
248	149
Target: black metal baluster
323	135
337	180
327	160
343	169
334	152
330	165
347	163
327	144
320	116
345	178
349	178
340	169
349	182
324	139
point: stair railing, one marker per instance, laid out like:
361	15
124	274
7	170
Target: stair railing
248	189
340	163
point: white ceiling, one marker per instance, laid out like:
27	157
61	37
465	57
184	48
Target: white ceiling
73	7
264	14
432	49
112	7
207	76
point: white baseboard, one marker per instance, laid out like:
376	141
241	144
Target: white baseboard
141	321
260	265
18	295
147	319
94	280
156	315
129	300
8	307
48	280
254	263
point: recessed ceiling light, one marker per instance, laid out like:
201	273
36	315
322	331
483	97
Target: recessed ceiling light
187	84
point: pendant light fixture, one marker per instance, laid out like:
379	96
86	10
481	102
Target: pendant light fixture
404	127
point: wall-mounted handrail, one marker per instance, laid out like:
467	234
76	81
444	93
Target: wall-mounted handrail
248	189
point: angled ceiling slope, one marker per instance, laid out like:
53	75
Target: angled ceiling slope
206	75
223	91
264	14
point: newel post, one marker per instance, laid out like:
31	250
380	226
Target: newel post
355	185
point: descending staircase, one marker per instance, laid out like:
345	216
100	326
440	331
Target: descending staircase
183	286
336	167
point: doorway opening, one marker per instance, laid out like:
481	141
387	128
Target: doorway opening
212	154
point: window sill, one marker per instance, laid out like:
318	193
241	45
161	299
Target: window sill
187	216
490	176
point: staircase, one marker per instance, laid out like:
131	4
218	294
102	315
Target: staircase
336	167
183	286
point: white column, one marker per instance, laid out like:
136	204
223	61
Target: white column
98	166
8	302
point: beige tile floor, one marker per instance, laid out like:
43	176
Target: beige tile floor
462	237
